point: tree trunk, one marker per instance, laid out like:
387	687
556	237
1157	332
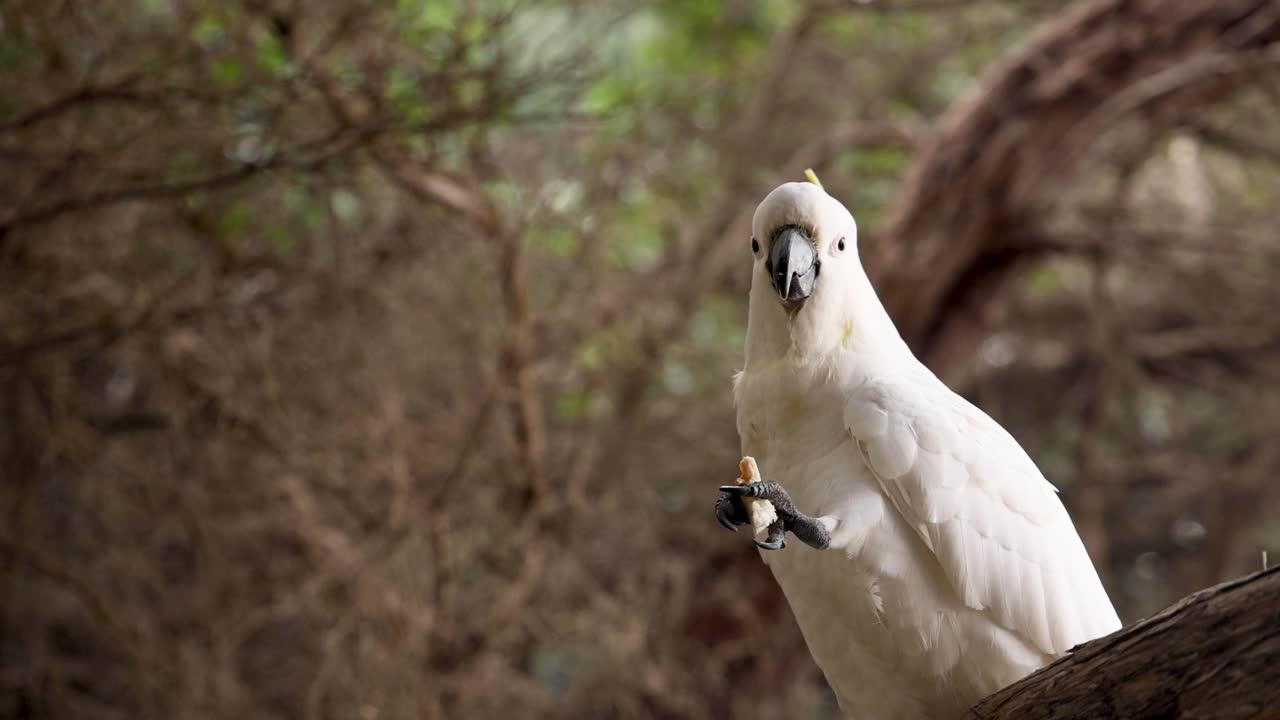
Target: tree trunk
971	198
1215	654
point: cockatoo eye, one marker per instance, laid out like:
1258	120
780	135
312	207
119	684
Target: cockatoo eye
840	245
755	245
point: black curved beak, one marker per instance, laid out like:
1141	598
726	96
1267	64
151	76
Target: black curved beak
793	265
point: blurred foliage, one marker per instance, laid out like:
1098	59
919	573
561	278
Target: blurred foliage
371	358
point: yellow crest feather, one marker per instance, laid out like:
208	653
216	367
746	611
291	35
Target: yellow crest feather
812	177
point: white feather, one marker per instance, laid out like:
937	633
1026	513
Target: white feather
1027	539
954	568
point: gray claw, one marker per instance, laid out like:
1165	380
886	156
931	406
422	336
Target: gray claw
722	515
730	512
777	538
770	491
771	544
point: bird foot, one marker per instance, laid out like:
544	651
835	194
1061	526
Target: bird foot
731	511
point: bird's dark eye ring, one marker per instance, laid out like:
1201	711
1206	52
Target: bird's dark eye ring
755	245
840	245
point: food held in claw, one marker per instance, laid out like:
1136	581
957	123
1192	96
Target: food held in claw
761	511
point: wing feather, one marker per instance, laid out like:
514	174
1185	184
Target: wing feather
999	531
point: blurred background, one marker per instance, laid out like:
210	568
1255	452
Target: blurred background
371	358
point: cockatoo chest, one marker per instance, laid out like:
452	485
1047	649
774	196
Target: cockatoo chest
796	431
850	605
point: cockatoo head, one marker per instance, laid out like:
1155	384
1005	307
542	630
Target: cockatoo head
807	282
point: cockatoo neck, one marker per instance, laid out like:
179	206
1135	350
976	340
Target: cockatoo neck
844	315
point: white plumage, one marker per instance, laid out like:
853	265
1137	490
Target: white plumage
953	568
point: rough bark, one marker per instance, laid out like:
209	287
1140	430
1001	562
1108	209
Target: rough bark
1215	654
997	159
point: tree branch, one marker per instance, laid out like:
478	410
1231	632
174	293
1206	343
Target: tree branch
999	157
1211	655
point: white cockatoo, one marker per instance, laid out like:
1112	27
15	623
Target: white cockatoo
940	565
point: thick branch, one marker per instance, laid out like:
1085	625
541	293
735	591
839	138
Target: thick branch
1212	655
998	158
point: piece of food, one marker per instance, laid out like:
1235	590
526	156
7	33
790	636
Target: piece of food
762	512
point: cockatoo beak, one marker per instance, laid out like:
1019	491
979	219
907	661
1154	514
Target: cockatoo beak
793	266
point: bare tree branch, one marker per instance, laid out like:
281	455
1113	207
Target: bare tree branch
1211	655
988	163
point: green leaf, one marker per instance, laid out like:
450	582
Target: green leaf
509	196
574	405
474	31
404	94
300	202
1043	282
557	242
226	71
591	355
639	247
887	159
470	91
282	239
437	15
314	216
208	31
236	221
271	54
639	252
566	196
605	95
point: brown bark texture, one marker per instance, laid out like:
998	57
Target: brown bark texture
970	199
1213	655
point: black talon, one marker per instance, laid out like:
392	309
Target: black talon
722	515
730	511
771	491
768	544
777	538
